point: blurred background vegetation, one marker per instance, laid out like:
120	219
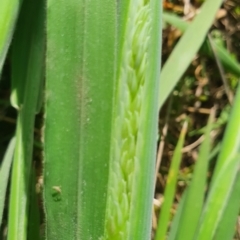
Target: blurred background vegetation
203	86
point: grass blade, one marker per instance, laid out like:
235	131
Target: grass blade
226	226
9	10
170	187
225	57
231	140
177	218
28	48
186	49
218	199
81	42
224	177
196	191
4	174
24	36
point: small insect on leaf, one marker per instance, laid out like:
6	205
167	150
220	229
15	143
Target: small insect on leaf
57	191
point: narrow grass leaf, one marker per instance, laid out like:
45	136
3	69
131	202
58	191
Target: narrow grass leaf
225	57
218	198
231	141
227	225
215	151
224	178
169	192
186	49
175	21
4	174
24	35
177	218
81	41
28	47
9	10
196	191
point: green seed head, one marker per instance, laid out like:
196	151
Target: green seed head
127	125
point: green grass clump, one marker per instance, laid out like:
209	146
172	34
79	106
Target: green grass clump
103	90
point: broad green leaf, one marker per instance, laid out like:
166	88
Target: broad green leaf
96	128
170	187
28	47
186	48
9	10
81	41
193	203
4	174
227	60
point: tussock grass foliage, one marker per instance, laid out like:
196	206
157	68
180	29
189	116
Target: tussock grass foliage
93	172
